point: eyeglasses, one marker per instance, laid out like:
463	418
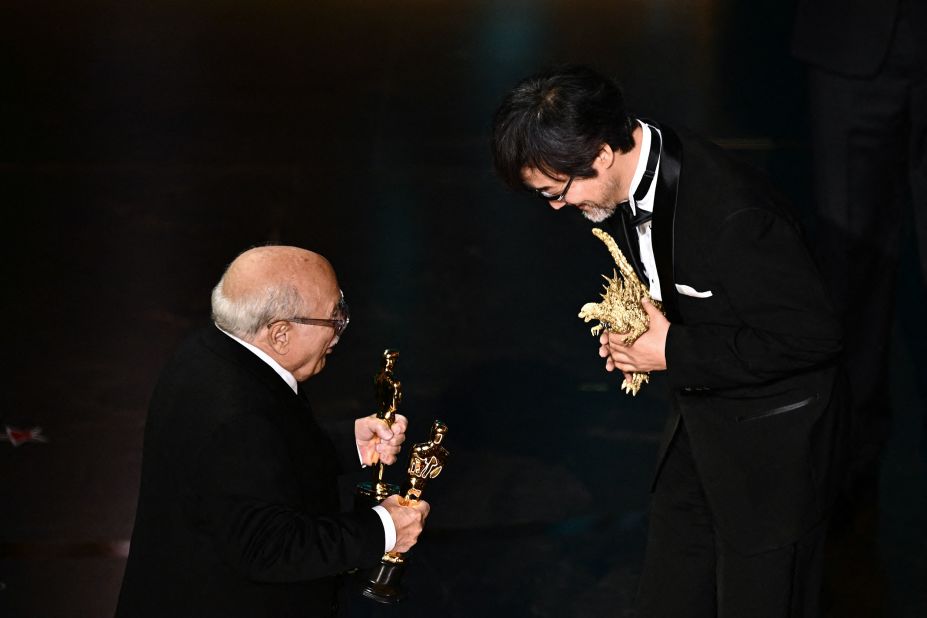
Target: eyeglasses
339	321
544	195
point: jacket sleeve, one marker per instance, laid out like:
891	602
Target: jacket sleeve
253	505
777	320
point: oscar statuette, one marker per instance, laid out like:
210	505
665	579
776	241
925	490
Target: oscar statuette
388	395
425	462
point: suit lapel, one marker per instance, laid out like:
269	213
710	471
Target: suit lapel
629	237
303	397
664	219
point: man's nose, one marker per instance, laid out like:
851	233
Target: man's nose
557	204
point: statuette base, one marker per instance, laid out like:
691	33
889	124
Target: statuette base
382	583
368	494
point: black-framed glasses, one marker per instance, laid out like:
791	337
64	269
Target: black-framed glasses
339	321
544	195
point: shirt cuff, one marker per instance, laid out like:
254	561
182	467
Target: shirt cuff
389	528
359	457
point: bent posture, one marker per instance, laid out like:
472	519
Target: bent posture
748	342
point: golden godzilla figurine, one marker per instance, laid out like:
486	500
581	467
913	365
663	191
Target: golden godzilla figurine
621	310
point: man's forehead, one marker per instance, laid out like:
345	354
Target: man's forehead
323	291
537	179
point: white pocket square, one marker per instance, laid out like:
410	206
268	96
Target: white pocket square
686	290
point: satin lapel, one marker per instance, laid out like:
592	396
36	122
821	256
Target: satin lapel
664	220
631	242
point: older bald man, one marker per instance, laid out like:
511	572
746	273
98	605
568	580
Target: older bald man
238	512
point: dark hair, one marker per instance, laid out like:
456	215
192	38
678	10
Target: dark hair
556	122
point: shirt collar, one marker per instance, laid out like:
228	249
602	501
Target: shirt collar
647	202
261	354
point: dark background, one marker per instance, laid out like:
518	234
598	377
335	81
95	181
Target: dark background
144	144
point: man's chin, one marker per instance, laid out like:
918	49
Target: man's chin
597	214
302	376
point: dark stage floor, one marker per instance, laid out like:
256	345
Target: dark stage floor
144	144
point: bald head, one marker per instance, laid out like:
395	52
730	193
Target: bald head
265	284
261	268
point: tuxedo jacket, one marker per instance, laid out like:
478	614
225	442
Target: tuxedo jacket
853	38
238	505
752	345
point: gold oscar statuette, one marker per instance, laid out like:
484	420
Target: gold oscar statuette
388	395
426	461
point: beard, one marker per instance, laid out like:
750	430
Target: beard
598	210
596	213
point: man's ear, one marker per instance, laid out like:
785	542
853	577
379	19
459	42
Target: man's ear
278	336
605	158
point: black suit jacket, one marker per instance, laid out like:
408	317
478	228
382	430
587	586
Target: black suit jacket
238	505
752	366
853	38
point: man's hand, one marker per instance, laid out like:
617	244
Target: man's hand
647	354
378	441
409	520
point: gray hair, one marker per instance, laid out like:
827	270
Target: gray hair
246	316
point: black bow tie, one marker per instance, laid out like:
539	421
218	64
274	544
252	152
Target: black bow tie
634	220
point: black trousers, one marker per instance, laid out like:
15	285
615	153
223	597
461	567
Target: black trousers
690	572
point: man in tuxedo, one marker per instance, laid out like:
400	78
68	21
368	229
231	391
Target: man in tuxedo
867	75
744	479
238	511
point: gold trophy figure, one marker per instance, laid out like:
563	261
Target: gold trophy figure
388	395
426	461
621	310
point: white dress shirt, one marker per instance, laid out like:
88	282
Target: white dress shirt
644	235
